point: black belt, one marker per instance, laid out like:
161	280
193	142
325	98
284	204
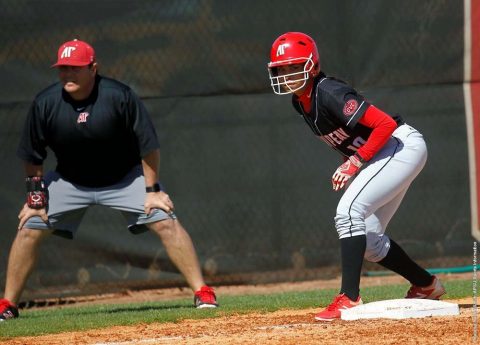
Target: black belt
398	119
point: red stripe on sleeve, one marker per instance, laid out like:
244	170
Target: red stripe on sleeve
383	126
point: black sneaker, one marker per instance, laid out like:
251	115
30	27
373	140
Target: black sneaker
7	310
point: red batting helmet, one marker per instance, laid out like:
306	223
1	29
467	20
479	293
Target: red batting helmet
289	49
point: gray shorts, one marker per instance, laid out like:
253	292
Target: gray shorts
69	202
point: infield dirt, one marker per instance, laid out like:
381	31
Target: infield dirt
282	327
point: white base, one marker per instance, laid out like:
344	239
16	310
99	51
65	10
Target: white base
400	309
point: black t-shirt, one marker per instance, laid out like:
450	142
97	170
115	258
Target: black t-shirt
336	109
96	141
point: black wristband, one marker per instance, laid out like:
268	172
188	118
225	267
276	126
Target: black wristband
35	184
153	189
37	192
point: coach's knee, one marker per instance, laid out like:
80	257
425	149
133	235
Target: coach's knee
164	228
377	247
31	235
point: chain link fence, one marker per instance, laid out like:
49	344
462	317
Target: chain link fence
250	182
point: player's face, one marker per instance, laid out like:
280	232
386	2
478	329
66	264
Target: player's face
293	76
78	81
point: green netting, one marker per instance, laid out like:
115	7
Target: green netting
250	182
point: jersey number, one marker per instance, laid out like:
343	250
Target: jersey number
356	144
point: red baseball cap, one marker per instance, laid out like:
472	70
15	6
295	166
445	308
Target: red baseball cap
75	53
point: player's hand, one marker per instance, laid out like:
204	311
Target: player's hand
26	213
345	172
158	200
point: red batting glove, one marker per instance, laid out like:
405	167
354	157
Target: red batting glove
345	171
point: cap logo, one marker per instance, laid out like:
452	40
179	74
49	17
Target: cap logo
281	49
67	52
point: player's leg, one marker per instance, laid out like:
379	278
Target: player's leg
375	186
129	198
386	252
382	249
66	209
381	180
21	260
378	243
180	249
361	198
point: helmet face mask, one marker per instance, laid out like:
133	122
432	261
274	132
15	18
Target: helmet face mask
287	83
292	48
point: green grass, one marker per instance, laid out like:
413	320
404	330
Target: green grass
38	322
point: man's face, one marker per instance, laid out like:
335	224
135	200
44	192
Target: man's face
77	80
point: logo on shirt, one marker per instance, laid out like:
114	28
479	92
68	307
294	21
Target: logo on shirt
350	107
335	138
82	117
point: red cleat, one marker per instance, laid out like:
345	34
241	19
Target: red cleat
433	291
205	298
7	310
333	311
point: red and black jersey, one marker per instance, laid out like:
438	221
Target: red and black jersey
96	141
336	109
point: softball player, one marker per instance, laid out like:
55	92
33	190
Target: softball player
107	154
382	156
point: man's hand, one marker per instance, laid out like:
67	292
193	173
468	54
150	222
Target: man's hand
26	213
345	171
158	200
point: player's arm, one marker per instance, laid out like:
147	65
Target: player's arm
36	195
142	126
150	164
155	198
383	126
33	169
